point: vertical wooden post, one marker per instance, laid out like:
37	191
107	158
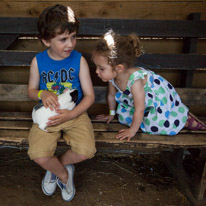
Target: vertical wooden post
202	185
190	47
178	158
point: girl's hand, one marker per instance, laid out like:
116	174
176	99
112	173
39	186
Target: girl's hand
62	116
105	117
50	100
125	133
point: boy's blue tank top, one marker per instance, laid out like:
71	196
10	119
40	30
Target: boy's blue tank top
56	75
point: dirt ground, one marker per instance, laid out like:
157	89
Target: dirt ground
105	180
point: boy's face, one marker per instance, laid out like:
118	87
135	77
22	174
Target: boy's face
104	71
61	46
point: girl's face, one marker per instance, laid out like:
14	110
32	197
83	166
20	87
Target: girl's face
61	46
104	71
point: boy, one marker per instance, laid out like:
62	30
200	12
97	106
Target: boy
51	71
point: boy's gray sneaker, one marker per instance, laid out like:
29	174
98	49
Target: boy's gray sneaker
49	183
68	189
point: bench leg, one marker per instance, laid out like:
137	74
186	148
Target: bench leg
194	193
202	185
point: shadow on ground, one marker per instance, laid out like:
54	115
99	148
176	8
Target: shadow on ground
105	180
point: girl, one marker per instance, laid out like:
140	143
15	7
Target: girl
145	99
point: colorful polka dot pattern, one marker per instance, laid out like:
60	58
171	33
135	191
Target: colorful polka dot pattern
164	112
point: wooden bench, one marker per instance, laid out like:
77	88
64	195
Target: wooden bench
15	106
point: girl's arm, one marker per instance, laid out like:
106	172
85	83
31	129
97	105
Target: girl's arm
86	102
111	97
111	103
139	105
49	99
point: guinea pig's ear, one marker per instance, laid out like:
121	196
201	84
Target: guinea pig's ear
74	95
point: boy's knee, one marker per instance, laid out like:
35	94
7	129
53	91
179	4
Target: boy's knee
82	157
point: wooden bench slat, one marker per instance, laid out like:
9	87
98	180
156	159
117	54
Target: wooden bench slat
98	126
15	116
144	28
140	140
7	40
149	61
9	116
26	125
96	27
16	125
12	92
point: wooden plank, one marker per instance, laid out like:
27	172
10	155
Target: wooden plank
97	27
109	9
12	92
95	0
172	61
144	28
26	125
202	185
140	140
86	45
7	40
184	180
98	126
17	58
149	61
14	106
16	125
12	75
191	96
15	116
26	116
190	47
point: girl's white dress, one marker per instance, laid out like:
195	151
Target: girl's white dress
164	112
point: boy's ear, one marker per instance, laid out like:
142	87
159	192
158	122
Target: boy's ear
46	42
119	68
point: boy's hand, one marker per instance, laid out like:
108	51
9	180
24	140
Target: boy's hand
62	116
50	100
125	133
105	117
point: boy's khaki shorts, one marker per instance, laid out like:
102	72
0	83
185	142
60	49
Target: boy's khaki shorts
78	133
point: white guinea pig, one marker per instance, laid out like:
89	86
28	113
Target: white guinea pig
40	114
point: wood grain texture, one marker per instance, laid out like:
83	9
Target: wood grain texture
97	27
109	9
150	61
12	92
108	139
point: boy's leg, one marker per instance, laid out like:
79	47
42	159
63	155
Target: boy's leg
63	170
53	165
79	134
70	157
83	147
42	146
57	165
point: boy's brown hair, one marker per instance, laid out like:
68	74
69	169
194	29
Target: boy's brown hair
56	20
